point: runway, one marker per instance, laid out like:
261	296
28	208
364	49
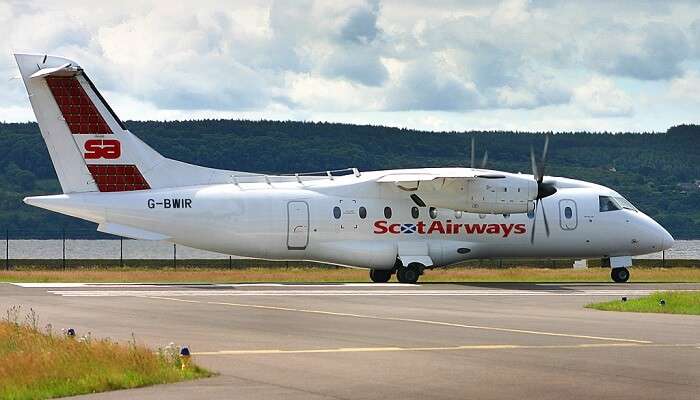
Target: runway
361	341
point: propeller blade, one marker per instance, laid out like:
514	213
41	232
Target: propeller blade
472	163
544	215
534	223
486	158
543	159
535	170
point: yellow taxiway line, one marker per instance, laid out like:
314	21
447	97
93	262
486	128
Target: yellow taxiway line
444	348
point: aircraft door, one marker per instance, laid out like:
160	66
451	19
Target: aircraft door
298	225
568	218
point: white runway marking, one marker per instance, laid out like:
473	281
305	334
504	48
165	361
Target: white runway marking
342	292
137	285
84	285
410	320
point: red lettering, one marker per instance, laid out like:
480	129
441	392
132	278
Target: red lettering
493	228
520	228
436	226
420	227
472	228
109	149
507	228
395	228
380	227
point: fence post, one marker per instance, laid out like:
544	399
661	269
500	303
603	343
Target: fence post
121	252
230	262
663	259
7	249
174	256
63	258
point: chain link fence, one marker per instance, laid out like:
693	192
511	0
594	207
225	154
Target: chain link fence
76	248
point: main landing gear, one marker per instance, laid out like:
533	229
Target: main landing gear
620	275
380	275
409	273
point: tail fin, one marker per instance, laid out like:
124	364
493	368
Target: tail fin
90	147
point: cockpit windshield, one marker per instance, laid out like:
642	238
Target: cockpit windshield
610	203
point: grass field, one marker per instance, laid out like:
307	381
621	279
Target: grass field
675	303
36	363
193	275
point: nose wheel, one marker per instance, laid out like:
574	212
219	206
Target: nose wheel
380	275
620	275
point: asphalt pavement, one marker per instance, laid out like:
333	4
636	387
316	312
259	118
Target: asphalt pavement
390	341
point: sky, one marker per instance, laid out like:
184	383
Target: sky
540	65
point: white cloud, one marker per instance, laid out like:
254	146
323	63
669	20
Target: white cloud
686	88
381	60
601	98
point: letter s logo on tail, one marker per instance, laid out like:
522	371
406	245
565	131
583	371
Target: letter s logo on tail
109	149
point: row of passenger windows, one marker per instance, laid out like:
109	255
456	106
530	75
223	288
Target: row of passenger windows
415	212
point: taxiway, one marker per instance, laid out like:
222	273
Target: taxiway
362	341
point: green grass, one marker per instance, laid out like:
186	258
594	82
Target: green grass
676	303
37	363
323	274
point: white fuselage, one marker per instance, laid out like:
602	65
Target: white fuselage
321	220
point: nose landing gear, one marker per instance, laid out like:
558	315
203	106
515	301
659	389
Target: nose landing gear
620	275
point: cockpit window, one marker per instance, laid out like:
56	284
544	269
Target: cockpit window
624	203
607	203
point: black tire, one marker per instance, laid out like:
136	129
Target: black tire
380	275
409	273
620	275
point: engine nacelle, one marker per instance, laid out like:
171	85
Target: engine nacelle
509	194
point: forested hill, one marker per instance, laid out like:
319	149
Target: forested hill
658	172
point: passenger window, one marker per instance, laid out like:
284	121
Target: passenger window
387	212
336	212
568	213
458	214
433	212
414	212
363	212
607	204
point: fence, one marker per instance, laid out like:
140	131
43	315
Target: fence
78	248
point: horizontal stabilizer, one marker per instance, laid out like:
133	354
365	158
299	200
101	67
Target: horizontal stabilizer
61	70
130	232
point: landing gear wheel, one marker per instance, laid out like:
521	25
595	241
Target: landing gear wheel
620	275
409	273
380	275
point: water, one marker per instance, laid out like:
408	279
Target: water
103	250
144	249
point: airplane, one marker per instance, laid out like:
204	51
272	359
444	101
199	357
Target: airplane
392	222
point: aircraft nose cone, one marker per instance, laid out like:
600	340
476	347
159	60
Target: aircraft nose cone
667	240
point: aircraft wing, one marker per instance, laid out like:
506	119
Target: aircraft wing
465	189
429	176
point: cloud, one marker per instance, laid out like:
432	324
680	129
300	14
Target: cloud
424	86
313	57
651	52
601	98
361	26
685	88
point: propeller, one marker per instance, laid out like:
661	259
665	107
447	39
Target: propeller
544	189
473	155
